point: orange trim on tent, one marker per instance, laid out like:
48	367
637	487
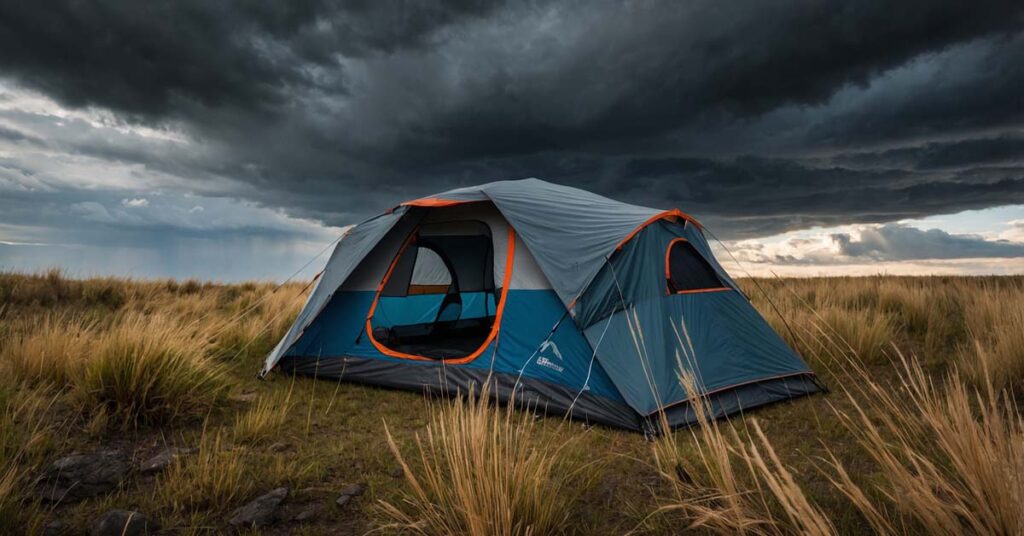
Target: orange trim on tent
674	213
509	260
668	274
434	202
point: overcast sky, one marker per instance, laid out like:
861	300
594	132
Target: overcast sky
231	140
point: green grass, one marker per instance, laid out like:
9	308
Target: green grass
333	434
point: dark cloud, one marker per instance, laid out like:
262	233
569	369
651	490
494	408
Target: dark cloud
757	117
150	58
1006	149
894	242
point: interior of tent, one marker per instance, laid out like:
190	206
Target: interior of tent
438	299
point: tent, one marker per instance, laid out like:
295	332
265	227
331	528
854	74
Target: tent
571	301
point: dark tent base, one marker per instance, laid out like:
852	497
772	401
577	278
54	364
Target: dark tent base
544	396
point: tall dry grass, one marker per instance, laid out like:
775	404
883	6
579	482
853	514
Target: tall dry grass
943	467
138	369
939	449
483	470
264	420
51	354
863	315
255	323
948	457
729	485
53	288
995	352
215	477
222	474
27	436
146	370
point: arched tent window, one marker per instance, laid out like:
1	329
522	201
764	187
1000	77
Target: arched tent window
430	274
686	271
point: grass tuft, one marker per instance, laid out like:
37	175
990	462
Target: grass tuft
27	437
264	420
147	370
214	478
52	354
485	471
995	353
722	484
951	458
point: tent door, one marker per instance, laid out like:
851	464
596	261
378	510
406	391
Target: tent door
438	299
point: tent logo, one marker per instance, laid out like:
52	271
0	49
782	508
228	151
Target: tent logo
545	361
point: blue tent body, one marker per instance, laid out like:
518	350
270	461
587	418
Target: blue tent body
561	298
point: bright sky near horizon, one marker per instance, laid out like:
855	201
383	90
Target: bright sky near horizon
233	142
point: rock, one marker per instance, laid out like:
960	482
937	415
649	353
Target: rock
310	511
280	447
248	396
347	493
353	490
123	523
260	512
163	460
79	476
397	472
55	528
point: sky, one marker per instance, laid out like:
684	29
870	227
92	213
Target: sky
233	140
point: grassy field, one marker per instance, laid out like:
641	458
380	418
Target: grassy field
915	436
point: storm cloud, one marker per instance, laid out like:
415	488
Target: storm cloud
899	242
758	118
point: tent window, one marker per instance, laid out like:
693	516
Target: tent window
430	275
687	271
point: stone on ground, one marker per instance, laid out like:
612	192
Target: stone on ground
163	460
123	523
260	512
80	476
347	493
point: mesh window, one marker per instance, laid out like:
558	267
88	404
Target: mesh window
688	271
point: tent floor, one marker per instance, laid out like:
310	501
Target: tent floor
445	344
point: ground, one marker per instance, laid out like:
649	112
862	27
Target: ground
317	437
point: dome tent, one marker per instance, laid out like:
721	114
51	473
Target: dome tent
574	302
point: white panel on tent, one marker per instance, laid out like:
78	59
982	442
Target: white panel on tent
526	274
429	269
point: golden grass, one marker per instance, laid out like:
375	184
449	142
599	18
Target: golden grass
911	447
264	420
10	498
951	458
51	354
216	477
483	471
727	485
995	322
147	370
255	325
26	438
